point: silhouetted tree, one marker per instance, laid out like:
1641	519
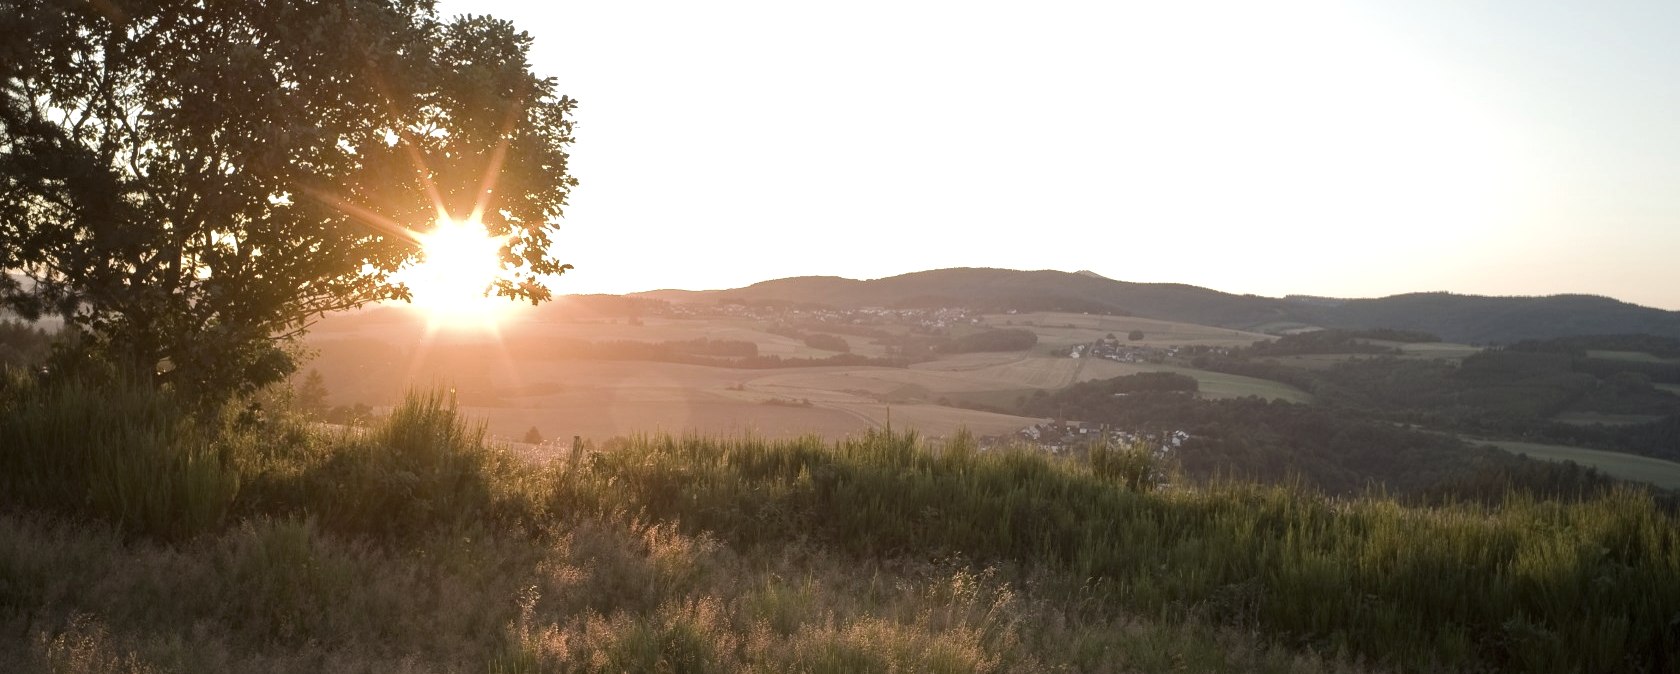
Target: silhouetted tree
198	181
532	436
312	394
22	344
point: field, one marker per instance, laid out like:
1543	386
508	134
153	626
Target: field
1664	474
1060	329
1632	356
1589	418
602	399
1671	388
1314	361
506	378
1438	349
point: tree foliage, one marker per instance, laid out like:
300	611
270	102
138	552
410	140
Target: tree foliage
1007	339
197	181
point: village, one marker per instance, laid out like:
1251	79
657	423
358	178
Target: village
1111	348
1061	437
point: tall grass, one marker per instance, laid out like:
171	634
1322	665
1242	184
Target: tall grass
1531	585
420	467
875	553
114	449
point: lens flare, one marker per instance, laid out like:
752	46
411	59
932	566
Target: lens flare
459	262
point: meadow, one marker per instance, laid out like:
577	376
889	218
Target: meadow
135	539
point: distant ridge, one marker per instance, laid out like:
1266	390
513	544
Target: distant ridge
1459	318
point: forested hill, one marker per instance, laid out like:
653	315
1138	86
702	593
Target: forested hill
1003	289
1456	318
1480	320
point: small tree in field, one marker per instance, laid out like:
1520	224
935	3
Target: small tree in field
532	436
312	394
198	181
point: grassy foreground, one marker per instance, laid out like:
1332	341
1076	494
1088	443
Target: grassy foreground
135	540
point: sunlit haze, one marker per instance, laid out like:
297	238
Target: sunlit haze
1347	149
451	280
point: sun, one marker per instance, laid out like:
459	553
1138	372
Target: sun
451	283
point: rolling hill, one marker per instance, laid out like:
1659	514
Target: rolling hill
1456	318
1481	319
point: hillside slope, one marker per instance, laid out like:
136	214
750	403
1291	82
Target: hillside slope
1456	318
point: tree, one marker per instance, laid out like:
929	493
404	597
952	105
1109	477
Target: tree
199	181
827	342
533	436
312	394
1134	335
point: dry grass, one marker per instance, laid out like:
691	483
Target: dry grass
596	595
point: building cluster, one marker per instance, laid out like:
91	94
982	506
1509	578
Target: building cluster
1112	348
1060	437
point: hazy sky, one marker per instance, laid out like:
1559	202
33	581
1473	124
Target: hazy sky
1349	149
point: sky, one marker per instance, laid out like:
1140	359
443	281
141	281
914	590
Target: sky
1351	149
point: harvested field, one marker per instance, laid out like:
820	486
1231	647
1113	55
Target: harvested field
374	361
